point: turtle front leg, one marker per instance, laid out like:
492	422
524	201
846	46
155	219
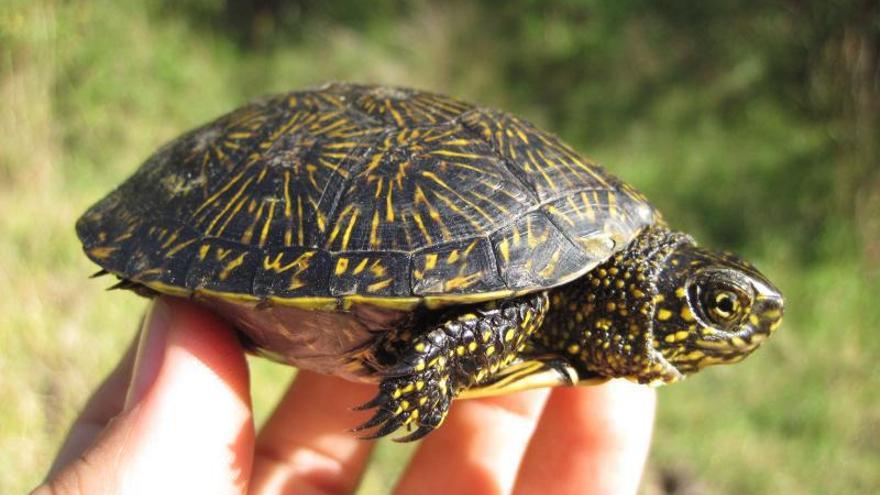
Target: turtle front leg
431	367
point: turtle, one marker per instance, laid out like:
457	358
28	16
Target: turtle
437	248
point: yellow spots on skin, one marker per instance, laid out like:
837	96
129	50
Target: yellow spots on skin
509	334
610	307
687	314
472	347
694	355
460	350
637	293
573	349
664	314
487	335
772	314
490	350
203	251
603	324
753	319
679	292
682	335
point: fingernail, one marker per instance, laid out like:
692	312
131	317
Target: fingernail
150	353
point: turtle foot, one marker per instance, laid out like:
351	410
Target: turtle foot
417	402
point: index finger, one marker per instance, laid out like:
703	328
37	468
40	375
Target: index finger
478	448
590	440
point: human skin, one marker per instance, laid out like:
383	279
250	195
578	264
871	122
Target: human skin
175	416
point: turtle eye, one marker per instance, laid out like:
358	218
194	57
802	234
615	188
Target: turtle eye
721	298
722	306
725	307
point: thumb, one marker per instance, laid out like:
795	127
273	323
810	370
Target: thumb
186	426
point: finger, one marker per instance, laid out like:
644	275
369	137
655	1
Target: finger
590	440
305	447
185	429
478	448
105	403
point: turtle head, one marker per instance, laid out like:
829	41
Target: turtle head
710	308
664	308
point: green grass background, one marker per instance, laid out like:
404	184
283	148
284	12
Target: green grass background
752	125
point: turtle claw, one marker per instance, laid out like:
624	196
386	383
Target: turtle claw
380	417
418	401
420	432
376	401
388	427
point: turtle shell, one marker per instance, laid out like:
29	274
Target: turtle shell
359	193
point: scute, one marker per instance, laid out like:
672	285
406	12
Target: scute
360	192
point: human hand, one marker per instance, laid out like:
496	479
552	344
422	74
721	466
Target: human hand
175	417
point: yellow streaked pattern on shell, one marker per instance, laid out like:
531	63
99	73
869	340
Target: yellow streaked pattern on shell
363	191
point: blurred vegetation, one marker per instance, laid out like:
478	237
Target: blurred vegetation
753	125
